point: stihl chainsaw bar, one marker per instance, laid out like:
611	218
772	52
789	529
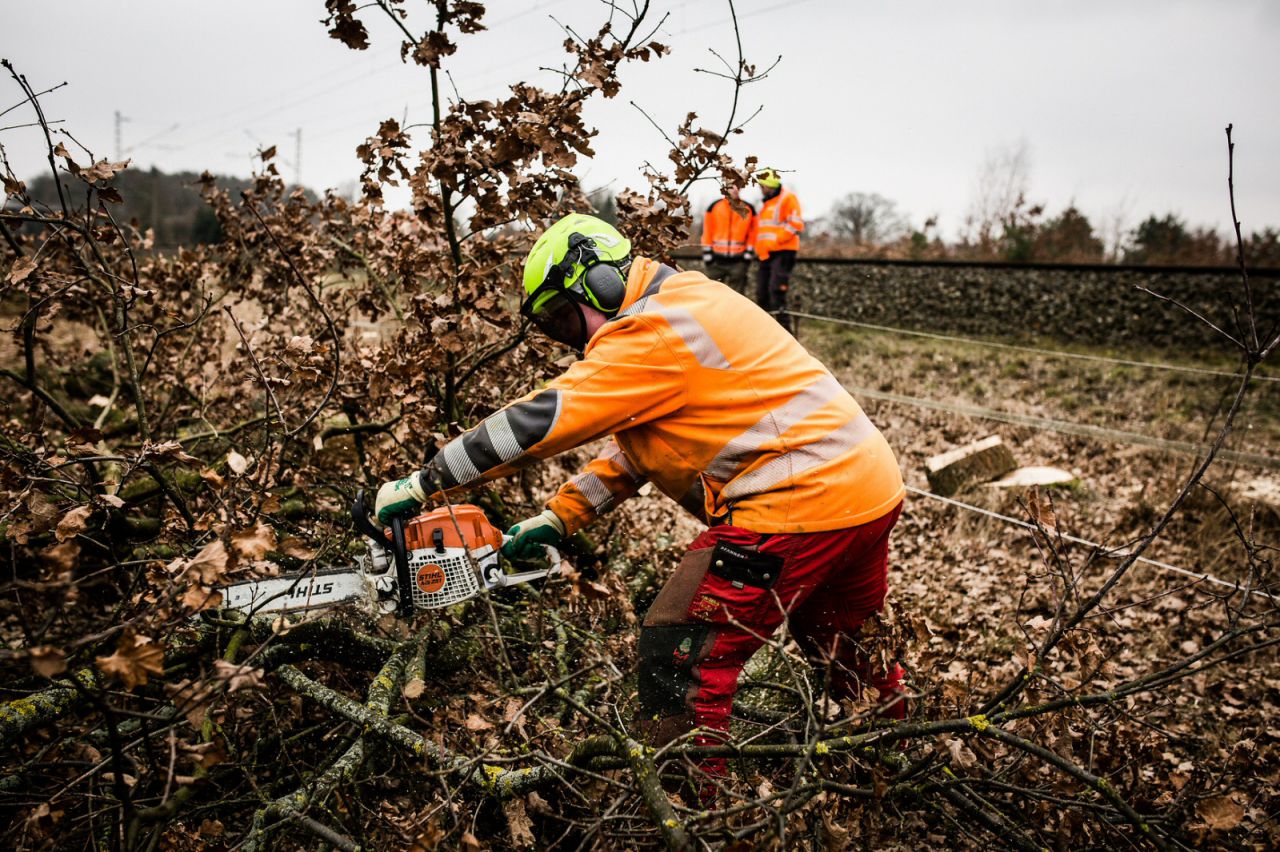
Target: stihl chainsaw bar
332	587
432	560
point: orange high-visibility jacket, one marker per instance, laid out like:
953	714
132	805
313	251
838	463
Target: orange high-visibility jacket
780	224
707	397
729	228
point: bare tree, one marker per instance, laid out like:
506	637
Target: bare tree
866	218
1116	228
1000	189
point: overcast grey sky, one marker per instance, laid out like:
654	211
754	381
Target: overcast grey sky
1121	104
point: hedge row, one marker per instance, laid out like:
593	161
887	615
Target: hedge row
1088	305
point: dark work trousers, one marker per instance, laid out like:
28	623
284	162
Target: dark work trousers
729	269
732	590
772	282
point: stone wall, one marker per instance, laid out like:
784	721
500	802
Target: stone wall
1083	304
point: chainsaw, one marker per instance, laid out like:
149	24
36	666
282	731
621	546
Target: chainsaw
431	560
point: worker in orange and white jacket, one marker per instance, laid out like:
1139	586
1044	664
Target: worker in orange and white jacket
777	242
728	239
702	394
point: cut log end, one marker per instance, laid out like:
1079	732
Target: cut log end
1025	477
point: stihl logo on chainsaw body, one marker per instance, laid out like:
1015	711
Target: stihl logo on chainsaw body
316	589
430	578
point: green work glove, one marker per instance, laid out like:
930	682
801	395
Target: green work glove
400	497
528	536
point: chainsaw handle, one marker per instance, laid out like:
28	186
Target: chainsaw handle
553	558
360	518
400	551
498	579
394	543
553	555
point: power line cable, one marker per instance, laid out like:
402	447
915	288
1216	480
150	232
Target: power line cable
220	119
326	131
750	13
1068	427
1009	347
284	95
281	111
1118	553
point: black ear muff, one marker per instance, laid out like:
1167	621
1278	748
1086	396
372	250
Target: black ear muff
607	284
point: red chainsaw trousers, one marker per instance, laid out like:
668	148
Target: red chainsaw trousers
731	592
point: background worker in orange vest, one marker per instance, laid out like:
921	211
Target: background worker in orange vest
729	239
777	241
727	414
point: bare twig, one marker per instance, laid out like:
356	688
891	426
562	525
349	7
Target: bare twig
324	312
262	377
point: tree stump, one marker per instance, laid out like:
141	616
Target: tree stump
981	461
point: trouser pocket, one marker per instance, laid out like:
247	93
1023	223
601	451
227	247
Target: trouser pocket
743	567
738	588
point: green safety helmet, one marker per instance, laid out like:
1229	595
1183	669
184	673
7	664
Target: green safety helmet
769	178
580	260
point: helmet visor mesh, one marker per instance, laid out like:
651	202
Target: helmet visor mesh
557	314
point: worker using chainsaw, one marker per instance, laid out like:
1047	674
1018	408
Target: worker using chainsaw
728	239
777	243
701	393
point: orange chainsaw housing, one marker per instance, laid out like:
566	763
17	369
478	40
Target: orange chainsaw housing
421	531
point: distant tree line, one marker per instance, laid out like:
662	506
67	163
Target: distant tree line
867	224
167	204
1002	225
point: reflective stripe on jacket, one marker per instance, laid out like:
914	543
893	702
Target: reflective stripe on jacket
709	399
729	228
780	224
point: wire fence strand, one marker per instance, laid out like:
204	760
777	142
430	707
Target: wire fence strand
1066	427
1114	553
1032	350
